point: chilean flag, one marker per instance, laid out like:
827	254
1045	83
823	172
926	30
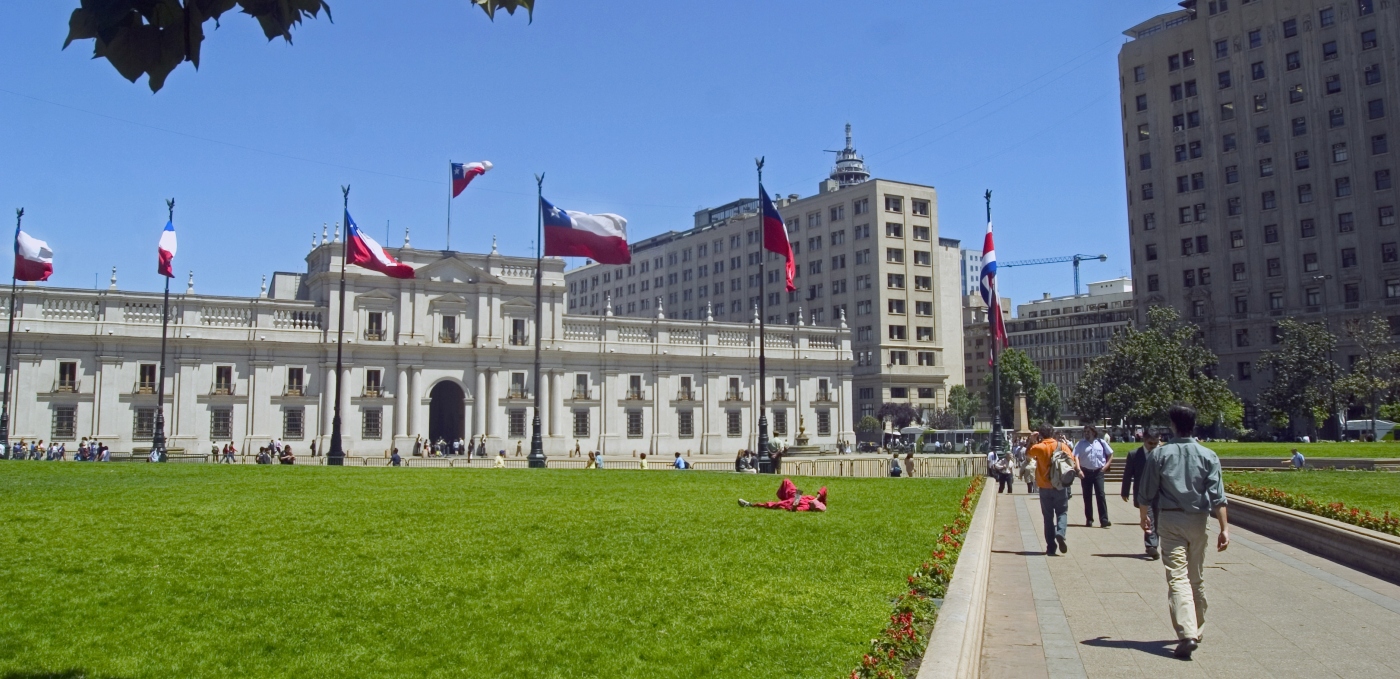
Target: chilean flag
464	173
166	251
775	237
988	286
361	250
602	238
33	258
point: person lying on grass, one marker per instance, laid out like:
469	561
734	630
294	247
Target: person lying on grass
792	499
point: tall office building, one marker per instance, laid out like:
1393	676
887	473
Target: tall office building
971	272
1259	171
868	255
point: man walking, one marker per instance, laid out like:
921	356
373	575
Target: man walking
1094	457
1132	485
1182	479
1054	502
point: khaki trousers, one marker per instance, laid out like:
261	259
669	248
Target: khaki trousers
1183	537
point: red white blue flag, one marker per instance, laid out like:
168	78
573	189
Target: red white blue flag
361	250
165	250
775	237
988	285
602	238
464	173
33	258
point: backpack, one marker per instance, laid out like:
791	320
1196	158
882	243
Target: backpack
1062	471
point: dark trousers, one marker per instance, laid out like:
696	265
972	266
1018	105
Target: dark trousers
1092	486
1150	539
1054	511
1004	482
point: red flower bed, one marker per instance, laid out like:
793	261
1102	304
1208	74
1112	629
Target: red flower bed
896	653
1384	523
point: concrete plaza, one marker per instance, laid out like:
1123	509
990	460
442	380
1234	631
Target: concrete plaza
1101	610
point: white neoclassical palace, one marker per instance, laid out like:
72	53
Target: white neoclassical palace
447	354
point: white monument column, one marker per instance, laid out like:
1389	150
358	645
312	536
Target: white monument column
556	406
479	401
401	399
415	401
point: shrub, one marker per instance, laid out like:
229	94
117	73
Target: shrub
1332	510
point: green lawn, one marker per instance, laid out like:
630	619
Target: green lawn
1374	491
135	570
1388	450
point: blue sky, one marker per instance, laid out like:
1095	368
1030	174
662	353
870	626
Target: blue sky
651	110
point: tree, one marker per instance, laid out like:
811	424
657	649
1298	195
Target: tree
963	404
1374	375
1303	374
152	37
898	414
944	419
869	424
1016	367
1147	371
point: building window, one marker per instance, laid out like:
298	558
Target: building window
223	379
1241	304
581	424
1188	278
1149	221
1300	126
1326	17
923	258
1300	161
1392	288
1373	74
1256	39
1379	145
1266	167
1227	111
1222	79
1271	233
67	376
1310	262
1150	252
1276	301
1387	215
734	426
926	358
1234	206
894	230
221	423
1348	258
1351	293
1237	239
1261	134
1141	102
823	423
894	204
899	358
1237	272
372	423
1342	186
1292	62
1305	193
894	255
634	424
1307	228
374	383
1333	84
1242	337
898	332
294	424
144	423
1232	174
1267	200
1313	297
146	378
1228	143
1243	371
1256	72
1153	283
1274	267
1139	74
1146	195
1290	28
516	418
1389	253
1336	117
65	423
918	207
1222	49
1364	7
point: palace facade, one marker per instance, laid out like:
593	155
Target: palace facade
448	354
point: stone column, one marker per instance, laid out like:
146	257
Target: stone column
479	404
327	402
607	415
415	401
556	406
493	399
661	395
402	397
712	415
545	409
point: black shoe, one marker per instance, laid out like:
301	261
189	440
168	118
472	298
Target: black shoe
1153	554
1185	648
1089	523
1050	551
1061	542
1106	524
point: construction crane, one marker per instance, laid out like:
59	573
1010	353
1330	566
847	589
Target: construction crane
1058	260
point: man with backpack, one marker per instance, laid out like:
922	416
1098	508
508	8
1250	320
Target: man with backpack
1055	471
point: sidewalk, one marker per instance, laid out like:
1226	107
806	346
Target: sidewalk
1101	610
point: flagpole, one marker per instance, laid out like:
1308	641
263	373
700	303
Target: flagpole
994	307
9	342
158	438
765	461
336	455
449	203
536	458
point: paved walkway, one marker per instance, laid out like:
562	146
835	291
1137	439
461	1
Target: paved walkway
1101	610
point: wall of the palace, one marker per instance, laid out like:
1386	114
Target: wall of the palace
232	364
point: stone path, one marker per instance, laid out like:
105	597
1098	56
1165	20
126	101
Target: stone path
1101	610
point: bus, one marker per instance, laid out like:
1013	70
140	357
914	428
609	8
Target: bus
955	441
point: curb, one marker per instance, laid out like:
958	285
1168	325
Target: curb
955	648
1366	550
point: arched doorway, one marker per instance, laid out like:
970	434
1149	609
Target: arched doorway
447	412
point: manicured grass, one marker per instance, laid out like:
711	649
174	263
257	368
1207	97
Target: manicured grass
1284	450
1376	492
135	570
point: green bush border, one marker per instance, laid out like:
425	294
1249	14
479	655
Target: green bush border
1384	523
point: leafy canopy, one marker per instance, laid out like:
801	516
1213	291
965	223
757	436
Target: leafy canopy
1303	374
1147	371
1042	400
152	37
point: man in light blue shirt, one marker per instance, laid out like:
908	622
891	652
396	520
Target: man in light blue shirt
1297	460
1095	457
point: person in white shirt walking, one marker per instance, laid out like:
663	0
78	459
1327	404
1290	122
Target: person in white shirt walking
1095	457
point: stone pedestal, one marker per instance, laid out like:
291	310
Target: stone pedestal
1022	425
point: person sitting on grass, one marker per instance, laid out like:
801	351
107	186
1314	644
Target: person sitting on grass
644	461
680	463
501	459
286	457
1297	460
592	461
791	499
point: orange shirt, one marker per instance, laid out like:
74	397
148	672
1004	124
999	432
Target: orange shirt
1042	453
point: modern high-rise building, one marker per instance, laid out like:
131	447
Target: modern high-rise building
971	271
1260	177
869	256
977	371
1062	335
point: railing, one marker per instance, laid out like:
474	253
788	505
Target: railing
226	317
779	341
733	339
781	395
520	340
289	319
685	395
733	395
66	387
582	394
518	271
373	391
60	309
145	312
634	395
145	388
634	334
685	337
824	396
518	393
926	467
448	337
294	391
223	389
374	335
579	331
822	342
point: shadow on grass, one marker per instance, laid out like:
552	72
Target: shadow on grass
46	674
1160	648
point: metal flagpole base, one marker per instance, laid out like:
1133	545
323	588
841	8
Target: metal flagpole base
536	457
